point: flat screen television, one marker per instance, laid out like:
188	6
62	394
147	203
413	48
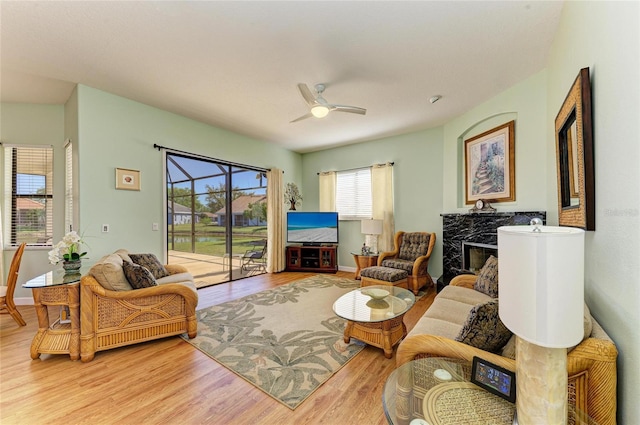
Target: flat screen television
312	228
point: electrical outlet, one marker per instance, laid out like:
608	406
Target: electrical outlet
154	226
105	228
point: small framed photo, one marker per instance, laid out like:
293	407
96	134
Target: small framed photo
490	165
127	179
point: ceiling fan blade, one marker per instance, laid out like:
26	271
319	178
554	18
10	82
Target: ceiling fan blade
351	109
305	116
306	94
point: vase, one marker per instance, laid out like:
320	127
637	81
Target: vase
71	266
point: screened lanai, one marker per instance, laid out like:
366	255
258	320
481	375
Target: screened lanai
216	218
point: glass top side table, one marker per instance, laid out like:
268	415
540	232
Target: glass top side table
57	288
364	260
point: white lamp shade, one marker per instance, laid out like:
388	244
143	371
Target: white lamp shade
371	227
541	284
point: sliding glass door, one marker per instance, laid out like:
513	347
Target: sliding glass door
216	218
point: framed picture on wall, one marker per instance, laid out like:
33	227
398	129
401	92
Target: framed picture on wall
489	160
127	179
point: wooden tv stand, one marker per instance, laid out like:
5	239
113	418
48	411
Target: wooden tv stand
321	259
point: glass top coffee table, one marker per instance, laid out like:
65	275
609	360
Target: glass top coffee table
374	315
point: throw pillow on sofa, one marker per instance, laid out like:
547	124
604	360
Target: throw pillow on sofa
487	281
151	263
484	329
138	276
109	274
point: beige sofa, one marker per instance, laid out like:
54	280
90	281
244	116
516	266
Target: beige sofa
113	314
591	365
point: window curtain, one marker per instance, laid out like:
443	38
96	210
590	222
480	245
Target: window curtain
275	221
2	277
327	191
382	203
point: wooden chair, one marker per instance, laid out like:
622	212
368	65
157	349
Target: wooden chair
6	292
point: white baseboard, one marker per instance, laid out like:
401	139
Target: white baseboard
347	269
23	301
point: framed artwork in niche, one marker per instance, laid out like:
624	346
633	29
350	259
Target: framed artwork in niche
489	165
127	179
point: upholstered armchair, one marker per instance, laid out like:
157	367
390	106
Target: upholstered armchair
411	253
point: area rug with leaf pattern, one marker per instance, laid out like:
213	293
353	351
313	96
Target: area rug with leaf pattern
286	341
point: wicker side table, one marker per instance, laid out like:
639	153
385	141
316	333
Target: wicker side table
56	288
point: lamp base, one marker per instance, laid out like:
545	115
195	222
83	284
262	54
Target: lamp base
372	242
541	384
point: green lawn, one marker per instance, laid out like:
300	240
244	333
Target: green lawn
210	240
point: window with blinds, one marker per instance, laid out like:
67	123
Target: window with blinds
29	194
353	194
68	187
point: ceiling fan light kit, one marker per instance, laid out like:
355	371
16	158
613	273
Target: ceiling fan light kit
319	107
320	111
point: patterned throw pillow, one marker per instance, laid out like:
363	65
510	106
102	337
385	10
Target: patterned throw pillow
151	263
484	329
487	281
139	277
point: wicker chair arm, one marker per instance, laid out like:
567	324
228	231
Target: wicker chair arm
590	351
437	346
464	280
421	265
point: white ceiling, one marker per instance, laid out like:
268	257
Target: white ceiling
235	65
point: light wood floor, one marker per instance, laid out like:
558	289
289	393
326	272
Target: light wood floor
170	382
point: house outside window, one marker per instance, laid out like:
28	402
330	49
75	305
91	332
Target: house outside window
28	197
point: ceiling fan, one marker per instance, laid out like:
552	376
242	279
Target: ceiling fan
320	108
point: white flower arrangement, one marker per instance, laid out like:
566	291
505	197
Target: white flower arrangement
68	249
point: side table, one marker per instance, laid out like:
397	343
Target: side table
56	288
364	261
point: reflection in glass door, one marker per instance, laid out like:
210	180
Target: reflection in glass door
216	218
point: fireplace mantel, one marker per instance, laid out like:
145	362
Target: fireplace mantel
475	227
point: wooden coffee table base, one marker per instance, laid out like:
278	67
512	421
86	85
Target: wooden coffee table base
383	334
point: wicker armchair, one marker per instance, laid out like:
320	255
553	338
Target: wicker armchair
110	319
411	253
591	366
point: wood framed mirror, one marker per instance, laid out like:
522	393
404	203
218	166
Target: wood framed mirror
574	157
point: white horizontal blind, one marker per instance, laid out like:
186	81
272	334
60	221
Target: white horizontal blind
353	194
29	194
68	188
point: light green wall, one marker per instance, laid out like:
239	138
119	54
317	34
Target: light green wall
109	131
26	124
115	132
604	36
417	174
525	103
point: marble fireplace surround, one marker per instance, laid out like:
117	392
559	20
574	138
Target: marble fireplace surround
479	228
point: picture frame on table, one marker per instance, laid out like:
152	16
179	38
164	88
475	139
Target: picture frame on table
127	179
489	164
